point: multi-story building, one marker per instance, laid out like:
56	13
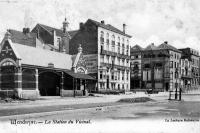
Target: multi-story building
109	49
190	68
159	67
136	68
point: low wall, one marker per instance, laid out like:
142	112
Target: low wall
70	93
7	93
29	94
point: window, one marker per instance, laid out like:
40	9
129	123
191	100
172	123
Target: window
119	45
112	75
107	41
102	37
122	75
101	74
113	43
171	64
127	49
102	58
127	76
118	75
107	58
123	47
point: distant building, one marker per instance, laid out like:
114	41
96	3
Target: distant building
159	67
109	50
136	68
190	69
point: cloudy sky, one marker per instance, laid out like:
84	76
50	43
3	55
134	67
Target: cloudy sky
175	21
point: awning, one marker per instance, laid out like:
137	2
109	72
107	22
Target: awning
79	75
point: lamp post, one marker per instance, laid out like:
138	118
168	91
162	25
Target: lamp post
176	85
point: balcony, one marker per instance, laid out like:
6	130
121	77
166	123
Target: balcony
183	76
115	66
105	52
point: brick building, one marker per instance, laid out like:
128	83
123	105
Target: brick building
110	50
31	68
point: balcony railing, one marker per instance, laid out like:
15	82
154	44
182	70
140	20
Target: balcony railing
105	52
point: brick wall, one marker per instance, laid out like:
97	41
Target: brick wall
87	37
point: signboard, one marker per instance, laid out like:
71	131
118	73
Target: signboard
91	63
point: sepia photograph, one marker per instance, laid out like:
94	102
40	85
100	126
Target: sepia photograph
99	66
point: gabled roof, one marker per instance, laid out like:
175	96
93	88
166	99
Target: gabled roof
59	32
22	38
168	47
136	48
40	57
151	47
108	27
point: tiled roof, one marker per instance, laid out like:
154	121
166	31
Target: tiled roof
22	38
151	47
169	47
109	27
136	48
40	57
59	32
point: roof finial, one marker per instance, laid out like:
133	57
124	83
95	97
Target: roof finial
65	24
80	49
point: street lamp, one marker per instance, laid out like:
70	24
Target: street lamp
176	85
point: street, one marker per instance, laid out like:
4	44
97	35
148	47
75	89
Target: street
182	115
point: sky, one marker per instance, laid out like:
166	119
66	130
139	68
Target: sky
148	21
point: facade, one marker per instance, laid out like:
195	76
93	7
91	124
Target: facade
111	49
159	68
190	69
136	68
29	70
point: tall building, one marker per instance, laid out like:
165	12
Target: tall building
136	68
190	69
108	50
159	67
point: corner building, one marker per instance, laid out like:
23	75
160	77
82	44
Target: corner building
109	51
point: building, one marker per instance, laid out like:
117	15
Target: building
136	68
159	67
30	69
190	69
109	51
53	38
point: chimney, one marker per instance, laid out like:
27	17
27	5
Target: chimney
165	42
81	26
102	22
26	30
124	28
152	44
